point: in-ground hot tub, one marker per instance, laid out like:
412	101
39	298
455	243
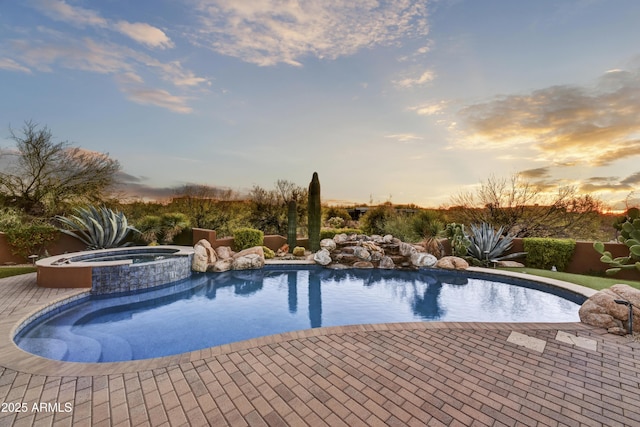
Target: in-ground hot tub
116	270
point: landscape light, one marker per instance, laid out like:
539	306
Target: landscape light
628	304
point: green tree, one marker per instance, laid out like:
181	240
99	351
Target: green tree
44	176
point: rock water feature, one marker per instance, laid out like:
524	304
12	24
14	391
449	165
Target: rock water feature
386	252
343	251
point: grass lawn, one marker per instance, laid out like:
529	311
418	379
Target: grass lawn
15	270
593	282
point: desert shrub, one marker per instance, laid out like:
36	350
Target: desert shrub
544	253
245	237
375	220
30	239
335	212
298	251
402	227
268	253
10	218
329	233
335	222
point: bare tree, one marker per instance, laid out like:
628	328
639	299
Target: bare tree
42	175
524	210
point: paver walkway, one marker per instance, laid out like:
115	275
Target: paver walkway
454	374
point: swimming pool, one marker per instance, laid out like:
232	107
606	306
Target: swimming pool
212	309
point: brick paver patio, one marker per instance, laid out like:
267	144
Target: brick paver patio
412	374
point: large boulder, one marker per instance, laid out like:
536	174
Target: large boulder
322	257
361	253
255	250
224	252
452	263
222	265
328	244
386	262
200	261
602	311
407	249
247	262
423	259
211	253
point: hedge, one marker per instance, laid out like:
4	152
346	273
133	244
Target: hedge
545	253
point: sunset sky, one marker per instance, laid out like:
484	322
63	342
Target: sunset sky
400	100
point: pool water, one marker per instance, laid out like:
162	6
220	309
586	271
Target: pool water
218	308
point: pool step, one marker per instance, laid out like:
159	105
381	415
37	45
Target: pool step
114	348
51	348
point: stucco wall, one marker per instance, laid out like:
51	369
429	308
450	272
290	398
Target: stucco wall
63	244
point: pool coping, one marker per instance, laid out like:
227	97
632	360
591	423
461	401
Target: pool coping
17	359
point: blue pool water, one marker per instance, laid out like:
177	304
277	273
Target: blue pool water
218	308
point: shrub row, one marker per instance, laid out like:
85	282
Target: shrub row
545	253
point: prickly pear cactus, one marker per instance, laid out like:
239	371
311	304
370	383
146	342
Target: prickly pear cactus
630	236
292	227
458	239
314	213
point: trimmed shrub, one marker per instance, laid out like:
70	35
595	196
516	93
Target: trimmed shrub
244	238
268	253
329	233
298	251
544	253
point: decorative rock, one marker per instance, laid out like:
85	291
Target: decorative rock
376	256
283	250
509	264
211	253
222	265
423	259
322	257
407	249
452	263
255	250
340	238
372	247
387	263
601	310
362	253
199	262
248	262
362	264
388	238
224	252
328	244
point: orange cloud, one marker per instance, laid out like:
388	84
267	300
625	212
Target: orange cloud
565	125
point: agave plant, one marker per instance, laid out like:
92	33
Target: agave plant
488	245
98	228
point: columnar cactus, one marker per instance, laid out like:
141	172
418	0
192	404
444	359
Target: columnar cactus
292	227
630	236
314	213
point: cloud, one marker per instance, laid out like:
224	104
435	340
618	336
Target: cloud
50	50
11	65
429	109
159	98
421	80
611	184
59	10
140	32
404	137
144	34
565	125
536	173
273	31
